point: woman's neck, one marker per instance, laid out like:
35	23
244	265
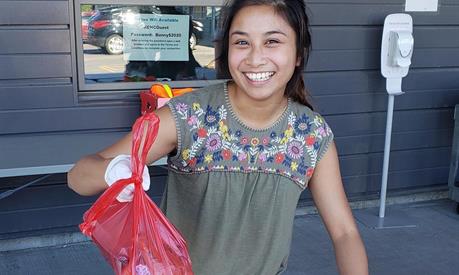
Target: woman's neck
254	113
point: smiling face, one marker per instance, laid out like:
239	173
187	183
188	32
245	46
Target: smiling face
261	52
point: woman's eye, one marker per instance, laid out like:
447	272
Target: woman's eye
272	41
241	42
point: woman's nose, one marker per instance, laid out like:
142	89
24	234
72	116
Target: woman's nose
256	57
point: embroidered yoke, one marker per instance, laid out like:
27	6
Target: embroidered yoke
232	190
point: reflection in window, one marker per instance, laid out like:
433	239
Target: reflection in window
125	43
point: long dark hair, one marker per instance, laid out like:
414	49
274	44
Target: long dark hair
294	13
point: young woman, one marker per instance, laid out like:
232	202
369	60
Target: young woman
242	152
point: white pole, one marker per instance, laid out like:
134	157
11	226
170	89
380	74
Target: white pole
390	112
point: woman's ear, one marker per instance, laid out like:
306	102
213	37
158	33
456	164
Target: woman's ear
298	61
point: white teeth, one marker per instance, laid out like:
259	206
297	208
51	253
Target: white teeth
259	76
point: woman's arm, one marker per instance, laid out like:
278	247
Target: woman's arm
330	199
87	176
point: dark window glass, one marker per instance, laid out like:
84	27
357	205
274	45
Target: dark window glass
126	43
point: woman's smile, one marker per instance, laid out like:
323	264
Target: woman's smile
259	77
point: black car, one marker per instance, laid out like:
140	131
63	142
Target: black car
105	27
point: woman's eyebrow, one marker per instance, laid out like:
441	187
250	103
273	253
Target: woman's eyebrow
238	33
275	32
266	33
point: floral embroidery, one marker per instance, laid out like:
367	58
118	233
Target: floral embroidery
208	158
196	106
244	140
213	142
292	152
265	140
186	154
294	149
211	118
202	133
310	140
262	157
242	156
303	125
226	154
279	157
309	172
182	107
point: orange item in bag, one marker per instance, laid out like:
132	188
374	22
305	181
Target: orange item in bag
164	91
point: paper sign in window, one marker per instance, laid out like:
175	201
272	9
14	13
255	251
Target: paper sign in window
158	37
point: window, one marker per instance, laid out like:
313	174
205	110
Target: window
128	46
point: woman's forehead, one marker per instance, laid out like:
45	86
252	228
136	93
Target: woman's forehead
259	20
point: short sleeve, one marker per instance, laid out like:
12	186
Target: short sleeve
188	111
180	111
324	133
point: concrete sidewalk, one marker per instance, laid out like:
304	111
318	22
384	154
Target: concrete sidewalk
428	246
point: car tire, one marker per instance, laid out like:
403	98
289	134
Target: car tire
114	44
193	41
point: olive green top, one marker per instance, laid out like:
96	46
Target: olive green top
232	190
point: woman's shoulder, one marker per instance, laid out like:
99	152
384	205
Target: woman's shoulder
303	117
197	103
302	110
311	125
208	95
203	93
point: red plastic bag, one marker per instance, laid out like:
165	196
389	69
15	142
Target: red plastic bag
135	237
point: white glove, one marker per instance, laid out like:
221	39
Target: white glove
120	168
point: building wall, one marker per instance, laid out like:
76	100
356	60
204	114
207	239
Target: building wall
344	77
43	122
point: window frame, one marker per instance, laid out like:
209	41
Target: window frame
119	90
